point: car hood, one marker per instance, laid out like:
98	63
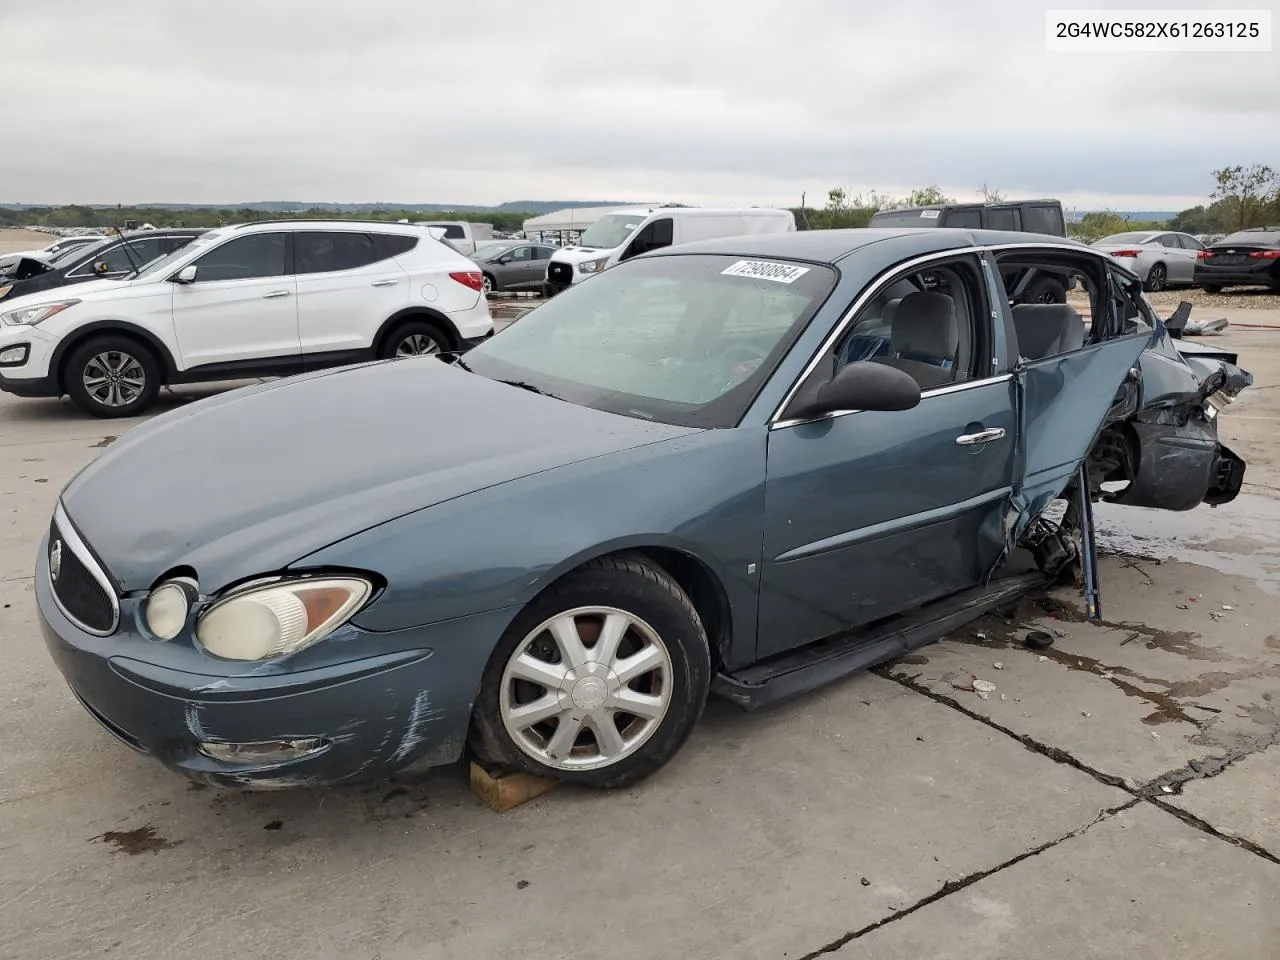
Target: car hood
250	481
62	289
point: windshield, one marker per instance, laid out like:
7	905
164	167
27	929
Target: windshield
490	252
65	254
160	264
684	340
1136	237
611	230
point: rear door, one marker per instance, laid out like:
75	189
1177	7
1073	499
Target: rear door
1188	250
241	310
871	513
348	284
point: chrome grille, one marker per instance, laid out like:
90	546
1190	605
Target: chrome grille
79	584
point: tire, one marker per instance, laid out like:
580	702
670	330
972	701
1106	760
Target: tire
414	338
1211	287
1045	290
112	376
490	284
652	607
1157	278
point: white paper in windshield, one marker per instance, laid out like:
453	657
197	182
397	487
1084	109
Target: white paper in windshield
764	270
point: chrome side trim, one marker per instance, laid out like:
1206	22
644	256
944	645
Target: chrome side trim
937	392
77	546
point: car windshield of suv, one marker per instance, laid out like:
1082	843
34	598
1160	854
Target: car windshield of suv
160	264
1141	236
684	340
610	230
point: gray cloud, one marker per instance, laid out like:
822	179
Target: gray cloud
698	100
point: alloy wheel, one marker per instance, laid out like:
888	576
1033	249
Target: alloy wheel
114	378
586	688
417	345
488	285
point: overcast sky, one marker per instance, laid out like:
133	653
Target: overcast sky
700	101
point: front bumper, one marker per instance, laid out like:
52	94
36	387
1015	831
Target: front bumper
405	704
30	376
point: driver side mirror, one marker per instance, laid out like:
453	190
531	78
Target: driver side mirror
101	266
861	385
187	274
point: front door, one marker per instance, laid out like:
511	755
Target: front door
241	309
868	514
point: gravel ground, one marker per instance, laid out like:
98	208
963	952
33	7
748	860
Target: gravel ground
1242	298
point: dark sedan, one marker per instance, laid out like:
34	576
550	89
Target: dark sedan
746	466
107	259
1245	258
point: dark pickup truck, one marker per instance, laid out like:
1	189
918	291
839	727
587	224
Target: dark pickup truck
1042	217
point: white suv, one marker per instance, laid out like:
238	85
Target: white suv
261	299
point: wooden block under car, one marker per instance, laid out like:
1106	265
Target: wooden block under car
503	791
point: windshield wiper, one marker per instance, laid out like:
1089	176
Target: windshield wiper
524	385
459	362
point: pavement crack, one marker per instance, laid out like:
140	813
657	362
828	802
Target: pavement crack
1191	820
1171	783
952	886
1056	754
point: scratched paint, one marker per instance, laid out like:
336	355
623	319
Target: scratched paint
421	716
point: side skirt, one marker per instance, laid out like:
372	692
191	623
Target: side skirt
799	671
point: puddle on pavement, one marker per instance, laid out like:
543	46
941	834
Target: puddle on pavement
1237	538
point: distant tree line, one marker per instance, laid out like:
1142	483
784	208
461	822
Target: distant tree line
1242	196
76	215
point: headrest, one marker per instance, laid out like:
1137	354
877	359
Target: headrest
1047	329
925	325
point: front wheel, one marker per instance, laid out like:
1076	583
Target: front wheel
112	376
1157	278
599	681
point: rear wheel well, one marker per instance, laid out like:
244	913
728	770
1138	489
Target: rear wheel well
150	343
421	314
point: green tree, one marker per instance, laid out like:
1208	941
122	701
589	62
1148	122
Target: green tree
1249	194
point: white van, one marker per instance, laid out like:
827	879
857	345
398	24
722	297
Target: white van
623	234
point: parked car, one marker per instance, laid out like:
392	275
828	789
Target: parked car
624	234
60	245
260	299
513	265
1245	258
462	235
748	465
1160	258
109	259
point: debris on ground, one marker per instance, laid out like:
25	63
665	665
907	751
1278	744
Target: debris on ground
1038	640
984	686
1042	659
998	665
1183	606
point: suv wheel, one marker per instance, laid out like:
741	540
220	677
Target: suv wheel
112	376
415	338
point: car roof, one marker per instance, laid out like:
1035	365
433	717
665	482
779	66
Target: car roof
376	225
832	246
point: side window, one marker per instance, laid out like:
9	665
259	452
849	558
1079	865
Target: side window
1004	218
930	324
520	255
244	258
331	250
1167	240
541	253
1043	219
453	232
655	236
1189	242
1045	330
393	244
1130	312
965	218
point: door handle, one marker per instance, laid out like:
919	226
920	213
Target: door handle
274	294
982	436
385	283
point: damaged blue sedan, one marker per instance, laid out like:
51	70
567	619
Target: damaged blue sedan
744	467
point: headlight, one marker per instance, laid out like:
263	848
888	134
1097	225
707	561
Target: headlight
4	291
29	316
279	618
593	266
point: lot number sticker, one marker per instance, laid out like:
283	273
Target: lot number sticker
764	270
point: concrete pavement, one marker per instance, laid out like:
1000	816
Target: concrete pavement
1115	799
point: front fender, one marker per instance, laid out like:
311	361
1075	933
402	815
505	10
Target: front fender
701	495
